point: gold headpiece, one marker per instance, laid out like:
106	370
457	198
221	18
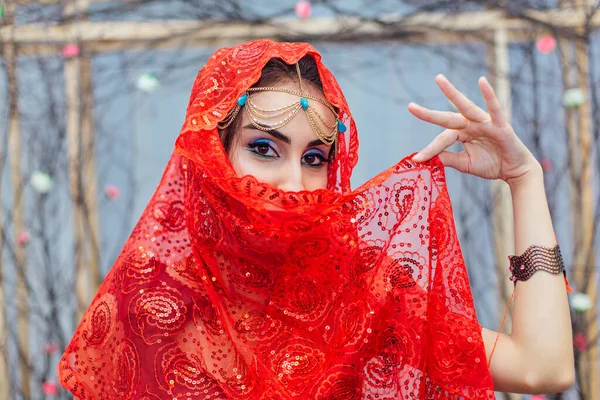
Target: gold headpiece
257	115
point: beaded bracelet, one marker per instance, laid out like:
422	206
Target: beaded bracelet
536	258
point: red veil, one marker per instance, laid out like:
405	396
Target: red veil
231	289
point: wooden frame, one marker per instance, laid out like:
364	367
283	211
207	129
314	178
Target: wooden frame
430	28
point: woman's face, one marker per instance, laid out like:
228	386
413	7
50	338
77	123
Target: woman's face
291	158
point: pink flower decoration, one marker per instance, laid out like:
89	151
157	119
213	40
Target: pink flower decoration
50	388
546	164
303	9
546	44
580	342
112	192
50	348
70	50
24	238
537	397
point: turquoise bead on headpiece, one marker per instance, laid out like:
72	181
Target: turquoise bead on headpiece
304	103
242	100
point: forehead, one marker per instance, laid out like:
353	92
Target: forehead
273	100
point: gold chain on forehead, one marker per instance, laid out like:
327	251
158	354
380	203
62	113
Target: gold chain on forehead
283	115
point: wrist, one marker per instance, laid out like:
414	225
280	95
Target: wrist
534	174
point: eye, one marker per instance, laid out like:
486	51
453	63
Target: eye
263	148
314	158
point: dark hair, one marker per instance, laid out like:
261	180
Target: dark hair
275	71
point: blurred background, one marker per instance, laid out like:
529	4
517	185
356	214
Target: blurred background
93	94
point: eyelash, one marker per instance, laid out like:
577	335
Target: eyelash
252	147
263	142
320	157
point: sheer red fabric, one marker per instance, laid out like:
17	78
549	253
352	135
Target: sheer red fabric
231	289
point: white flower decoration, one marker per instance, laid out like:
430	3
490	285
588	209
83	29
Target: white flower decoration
41	181
147	83
573	97
581	302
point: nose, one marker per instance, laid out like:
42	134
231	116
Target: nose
291	180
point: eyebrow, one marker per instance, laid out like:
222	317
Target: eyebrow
285	139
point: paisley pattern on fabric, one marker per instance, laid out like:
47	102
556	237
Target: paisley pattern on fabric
125	370
156	311
229	288
186	272
100	321
171	215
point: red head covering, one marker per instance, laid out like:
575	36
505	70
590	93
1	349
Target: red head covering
231	289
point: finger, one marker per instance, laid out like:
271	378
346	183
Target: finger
437	145
491	102
445	119
460	101
459	161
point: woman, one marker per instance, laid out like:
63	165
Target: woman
255	272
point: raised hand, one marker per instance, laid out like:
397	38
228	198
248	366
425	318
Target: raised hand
492	150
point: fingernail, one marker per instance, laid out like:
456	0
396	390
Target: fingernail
417	156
